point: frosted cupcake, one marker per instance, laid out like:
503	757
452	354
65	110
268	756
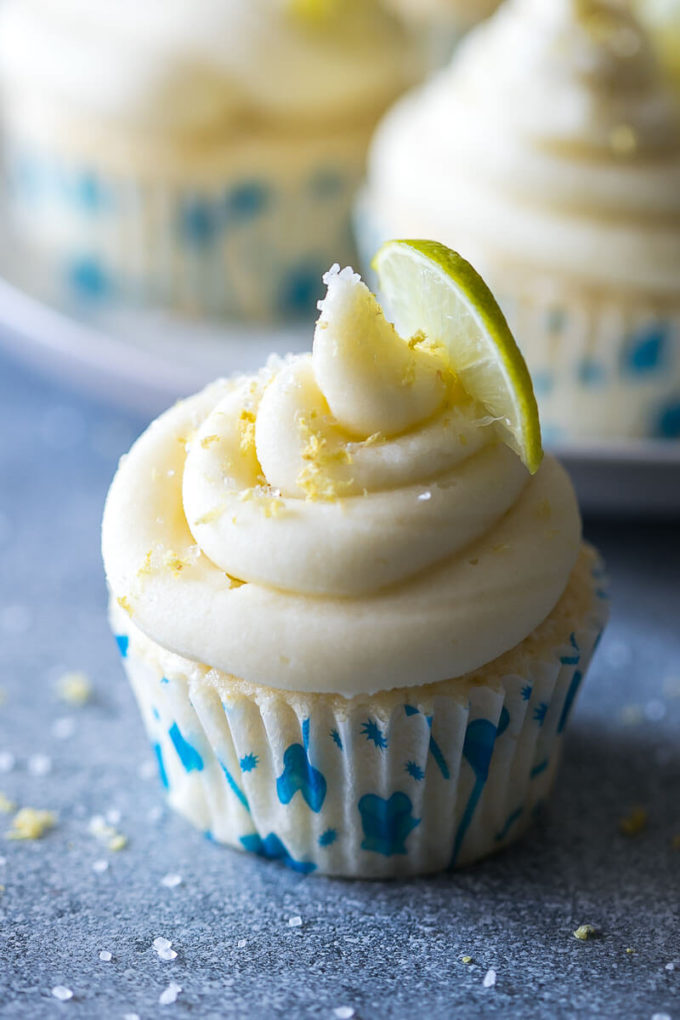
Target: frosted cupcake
549	154
198	154
355	624
663	20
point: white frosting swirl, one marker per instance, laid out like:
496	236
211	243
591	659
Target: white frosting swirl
342	522
550	139
189	66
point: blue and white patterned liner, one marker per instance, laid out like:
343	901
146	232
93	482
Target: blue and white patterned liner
605	363
405	783
248	243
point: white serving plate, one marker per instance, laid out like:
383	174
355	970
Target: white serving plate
146	360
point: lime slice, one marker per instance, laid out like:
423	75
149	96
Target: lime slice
429	288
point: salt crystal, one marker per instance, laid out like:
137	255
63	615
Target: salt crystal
100	866
62	993
489	979
170	994
343	1012
171	880
167	954
105	955
241	943
39	764
424	496
294	922
670	966
131	1016
63	728
161	943
661	1016
7	761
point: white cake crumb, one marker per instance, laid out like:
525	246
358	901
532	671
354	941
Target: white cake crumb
105	955
489	978
294	922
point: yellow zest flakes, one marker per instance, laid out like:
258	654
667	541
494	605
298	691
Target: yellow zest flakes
375	437
6	805
313	11
585	932
209	440
74	687
500	548
210	515
124	604
634	823
466	959
146	567
312	479
267	499
105	833
246	424
173	562
30	823
234	581
185	440
630	951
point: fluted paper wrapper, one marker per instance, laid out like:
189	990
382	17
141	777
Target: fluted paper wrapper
242	229
401	783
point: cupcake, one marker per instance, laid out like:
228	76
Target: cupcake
662	17
354	622
548	153
200	155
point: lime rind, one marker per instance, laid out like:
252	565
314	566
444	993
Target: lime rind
429	287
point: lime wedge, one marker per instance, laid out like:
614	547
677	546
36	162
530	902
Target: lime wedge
429	288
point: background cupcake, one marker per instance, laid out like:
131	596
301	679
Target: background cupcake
354	623
663	20
200	154
548	153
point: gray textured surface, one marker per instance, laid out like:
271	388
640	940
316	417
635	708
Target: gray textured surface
385	950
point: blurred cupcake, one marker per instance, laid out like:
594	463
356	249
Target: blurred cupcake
549	154
197	154
354	623
662	17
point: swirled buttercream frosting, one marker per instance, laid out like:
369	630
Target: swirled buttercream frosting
194	66
345	521
551	139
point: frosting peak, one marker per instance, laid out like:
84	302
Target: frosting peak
354	494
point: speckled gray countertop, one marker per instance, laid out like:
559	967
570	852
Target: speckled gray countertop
371	951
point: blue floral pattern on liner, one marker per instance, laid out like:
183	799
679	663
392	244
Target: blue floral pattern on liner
273	849
299	774
647	350
188	755
386	823
391	824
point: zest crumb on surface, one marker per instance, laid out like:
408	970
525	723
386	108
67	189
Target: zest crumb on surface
634	823
30	823
585	932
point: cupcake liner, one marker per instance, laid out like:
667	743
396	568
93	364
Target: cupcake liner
244	232
405	782
605	362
